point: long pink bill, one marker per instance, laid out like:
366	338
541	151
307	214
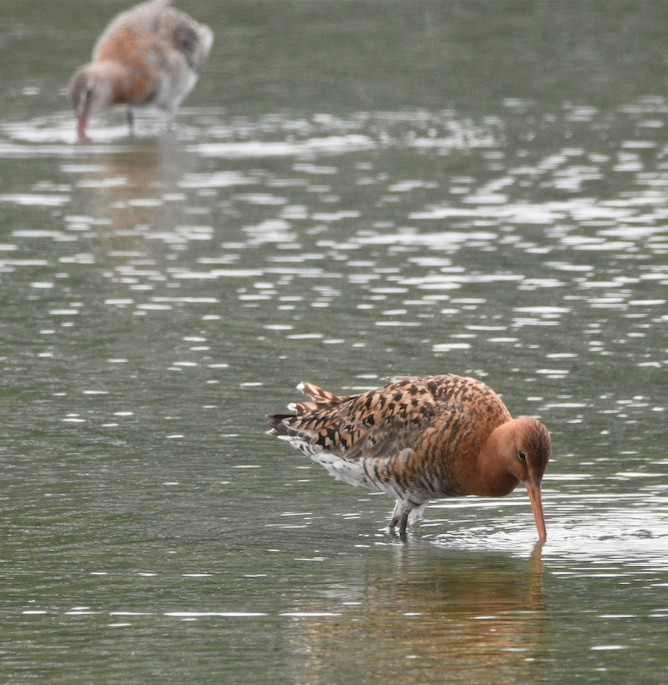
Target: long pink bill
537	506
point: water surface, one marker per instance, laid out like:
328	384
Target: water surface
354	190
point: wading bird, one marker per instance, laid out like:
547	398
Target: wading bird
150	55
421	438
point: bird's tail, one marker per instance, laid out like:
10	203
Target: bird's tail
308	417
322	398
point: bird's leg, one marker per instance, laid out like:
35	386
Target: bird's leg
399	516
171	118
130	118
396	516
403	523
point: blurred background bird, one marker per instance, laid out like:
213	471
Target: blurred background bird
152	54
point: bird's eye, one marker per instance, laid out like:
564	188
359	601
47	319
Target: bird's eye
89	93
522	456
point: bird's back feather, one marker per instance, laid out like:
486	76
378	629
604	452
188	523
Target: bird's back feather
400	438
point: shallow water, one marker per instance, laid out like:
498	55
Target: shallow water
354	190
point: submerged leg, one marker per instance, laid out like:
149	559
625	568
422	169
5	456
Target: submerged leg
403	523
402	510
171	118
396	515
405	513
130	118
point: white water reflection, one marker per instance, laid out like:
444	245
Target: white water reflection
585	527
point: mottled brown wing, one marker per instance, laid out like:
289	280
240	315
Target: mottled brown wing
408	414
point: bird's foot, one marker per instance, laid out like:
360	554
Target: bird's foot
403	524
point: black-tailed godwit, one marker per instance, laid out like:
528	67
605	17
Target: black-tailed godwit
421	438
151	54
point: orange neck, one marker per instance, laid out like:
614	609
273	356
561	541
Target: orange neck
492	476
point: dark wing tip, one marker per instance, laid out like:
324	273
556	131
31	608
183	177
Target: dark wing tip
278	427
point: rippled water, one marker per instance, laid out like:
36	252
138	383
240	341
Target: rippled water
504	219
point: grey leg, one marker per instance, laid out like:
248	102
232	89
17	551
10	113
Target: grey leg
403	523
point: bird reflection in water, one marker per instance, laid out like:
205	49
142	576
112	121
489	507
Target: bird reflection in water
432	613
134	189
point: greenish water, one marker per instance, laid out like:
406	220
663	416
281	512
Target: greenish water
354	190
